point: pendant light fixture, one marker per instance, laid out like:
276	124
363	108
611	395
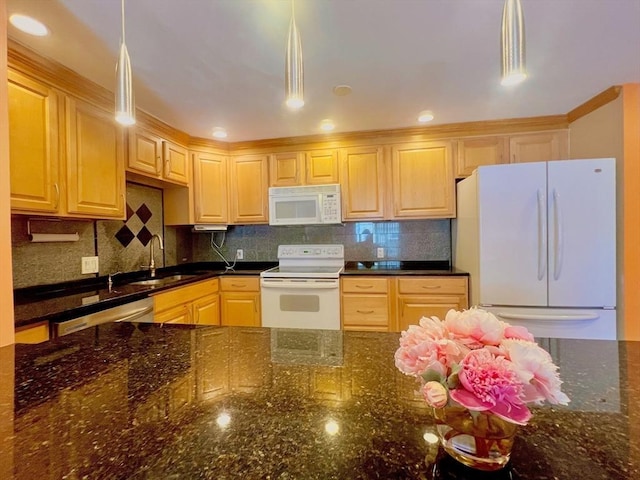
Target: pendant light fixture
125	107
294	75
513	44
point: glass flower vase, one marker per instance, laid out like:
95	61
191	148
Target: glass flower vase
479	440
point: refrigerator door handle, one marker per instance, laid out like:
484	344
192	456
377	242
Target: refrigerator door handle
558	317
558	237
542	235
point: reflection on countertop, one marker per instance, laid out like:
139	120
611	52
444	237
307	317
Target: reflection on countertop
144	401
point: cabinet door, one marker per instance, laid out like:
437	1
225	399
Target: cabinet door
412	308
539	147
176	163
95	162
240	309
321	167
145	152
248	189
206	310
33	145
178	314
423	182
362	183
210	187
286	169
476	152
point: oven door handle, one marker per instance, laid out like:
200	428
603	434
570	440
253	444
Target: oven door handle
332	284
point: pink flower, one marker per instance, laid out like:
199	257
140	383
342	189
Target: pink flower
430	328
475	327
490	382
435	394
535	366
435	355
517	332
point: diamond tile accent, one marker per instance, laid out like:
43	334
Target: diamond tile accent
130	212
144	235
125	235
144	213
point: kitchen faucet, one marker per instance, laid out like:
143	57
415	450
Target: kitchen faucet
152	262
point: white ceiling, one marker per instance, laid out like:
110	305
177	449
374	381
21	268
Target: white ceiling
199	64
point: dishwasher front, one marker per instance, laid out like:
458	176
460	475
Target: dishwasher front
138	311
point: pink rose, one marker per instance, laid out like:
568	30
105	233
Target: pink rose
535	367
475	327
490	382
435	394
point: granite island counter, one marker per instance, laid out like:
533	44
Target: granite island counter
144	401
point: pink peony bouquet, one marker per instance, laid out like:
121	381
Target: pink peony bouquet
474	360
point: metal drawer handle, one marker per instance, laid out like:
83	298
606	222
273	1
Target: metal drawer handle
431	287
364	286
366	312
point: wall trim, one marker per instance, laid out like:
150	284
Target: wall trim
594	103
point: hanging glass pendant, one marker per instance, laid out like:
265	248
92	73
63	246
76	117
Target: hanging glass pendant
294	75
512	44
125	106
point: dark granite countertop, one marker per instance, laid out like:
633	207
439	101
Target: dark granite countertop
63	301
143	401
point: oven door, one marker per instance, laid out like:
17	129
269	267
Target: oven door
301	303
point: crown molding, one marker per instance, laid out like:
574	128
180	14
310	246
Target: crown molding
604	97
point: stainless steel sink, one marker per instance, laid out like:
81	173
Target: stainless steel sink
155	282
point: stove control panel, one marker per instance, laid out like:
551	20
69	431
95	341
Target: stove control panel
310	251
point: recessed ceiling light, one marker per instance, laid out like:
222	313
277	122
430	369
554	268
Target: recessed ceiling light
28	25
341	90
425	116
219	132
327	125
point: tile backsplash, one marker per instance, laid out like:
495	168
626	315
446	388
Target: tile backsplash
124	245
406	240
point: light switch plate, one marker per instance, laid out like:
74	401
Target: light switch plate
380	252
89	265
239	254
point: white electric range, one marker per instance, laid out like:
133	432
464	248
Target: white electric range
303	291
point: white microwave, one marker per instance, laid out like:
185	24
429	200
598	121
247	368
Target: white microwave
305	205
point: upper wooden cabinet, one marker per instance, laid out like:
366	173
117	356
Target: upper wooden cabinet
539	147
422	180
480	151
210	188
153	156
95	162
249	189
362	183
314	167
33	145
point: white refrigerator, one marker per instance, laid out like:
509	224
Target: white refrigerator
539	242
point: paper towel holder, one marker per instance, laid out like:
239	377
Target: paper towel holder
49	237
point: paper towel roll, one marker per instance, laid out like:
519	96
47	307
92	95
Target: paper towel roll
55	237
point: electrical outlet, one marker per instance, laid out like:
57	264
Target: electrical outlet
239	254
89	265
380	252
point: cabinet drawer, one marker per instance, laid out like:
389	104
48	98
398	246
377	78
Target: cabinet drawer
433	285
180	314
240	284
186	294
365	285
369	310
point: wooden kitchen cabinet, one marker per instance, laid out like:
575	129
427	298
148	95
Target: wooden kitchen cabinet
362	183
479	151
36	333
419	297
240	301
155	157
95	162
210	188
248	189
422	180
539	147
365	303
88	182
196	303
313	167
212	363
34	158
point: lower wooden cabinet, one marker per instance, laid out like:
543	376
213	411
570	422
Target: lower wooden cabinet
365	303
419	297
196	303
36	333
240	301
